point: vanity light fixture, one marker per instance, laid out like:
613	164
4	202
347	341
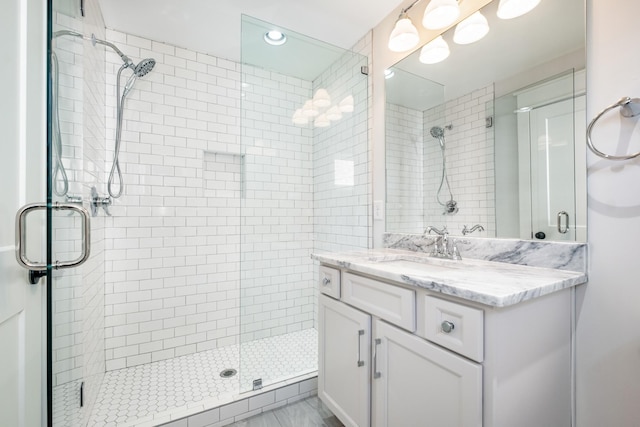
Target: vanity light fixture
275	37
508	9
435	51
440	14
471	29
405	35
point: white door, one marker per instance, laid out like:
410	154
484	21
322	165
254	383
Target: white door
417	383
344	362
23	169
553	201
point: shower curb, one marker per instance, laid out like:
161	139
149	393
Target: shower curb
266	399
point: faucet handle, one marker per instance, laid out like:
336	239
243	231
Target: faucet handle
455	253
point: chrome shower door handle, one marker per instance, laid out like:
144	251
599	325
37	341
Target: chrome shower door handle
21	234
563	229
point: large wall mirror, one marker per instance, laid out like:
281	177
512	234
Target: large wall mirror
493	136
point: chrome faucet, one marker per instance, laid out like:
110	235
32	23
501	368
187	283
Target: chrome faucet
441	247
466	230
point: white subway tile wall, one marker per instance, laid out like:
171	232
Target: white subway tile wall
414	165
207	189
470	163
341	212
277	207
405	160
172	261
78	298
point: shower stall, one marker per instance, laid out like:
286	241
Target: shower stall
211	183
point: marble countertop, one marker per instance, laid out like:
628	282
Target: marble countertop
495	284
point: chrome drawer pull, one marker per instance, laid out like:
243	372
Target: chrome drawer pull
376	374
360	361
326	281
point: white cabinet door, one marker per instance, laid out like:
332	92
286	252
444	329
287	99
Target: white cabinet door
22	162
344	361
417	383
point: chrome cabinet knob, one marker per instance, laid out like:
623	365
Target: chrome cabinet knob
447	326
326	281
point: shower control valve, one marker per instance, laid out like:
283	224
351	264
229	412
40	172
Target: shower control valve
97	201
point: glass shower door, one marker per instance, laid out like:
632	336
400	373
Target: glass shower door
305	186
77	136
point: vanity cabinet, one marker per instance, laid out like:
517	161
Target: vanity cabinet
344	335
395	356
416	383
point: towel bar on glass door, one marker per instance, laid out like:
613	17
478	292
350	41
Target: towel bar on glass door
629	107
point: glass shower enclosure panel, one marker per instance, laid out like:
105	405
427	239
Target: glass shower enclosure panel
77	164
303	145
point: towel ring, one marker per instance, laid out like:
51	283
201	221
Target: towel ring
629	107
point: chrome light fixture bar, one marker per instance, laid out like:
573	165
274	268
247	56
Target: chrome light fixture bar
404	35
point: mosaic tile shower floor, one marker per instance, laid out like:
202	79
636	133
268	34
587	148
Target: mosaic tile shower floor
133	395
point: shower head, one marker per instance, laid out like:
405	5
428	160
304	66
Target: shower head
437	132
144	67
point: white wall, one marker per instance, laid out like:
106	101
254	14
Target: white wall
608	335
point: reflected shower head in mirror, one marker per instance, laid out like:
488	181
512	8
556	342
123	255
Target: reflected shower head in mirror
438	133
451	206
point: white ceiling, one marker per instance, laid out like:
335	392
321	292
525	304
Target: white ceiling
213	26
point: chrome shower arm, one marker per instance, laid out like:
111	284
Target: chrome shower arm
124	57
93	39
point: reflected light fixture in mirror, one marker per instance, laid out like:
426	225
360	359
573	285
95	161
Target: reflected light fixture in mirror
471	29
321	121
435	51
404	35
440	14
334	113
299	118
508	9
275	38
346	105
321	99
389	73
308	110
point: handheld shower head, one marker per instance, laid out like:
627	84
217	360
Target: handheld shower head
437	132
144	67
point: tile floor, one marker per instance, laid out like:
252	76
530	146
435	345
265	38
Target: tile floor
310	412
144	392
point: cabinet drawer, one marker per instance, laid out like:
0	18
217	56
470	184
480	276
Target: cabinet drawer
330	281
394	304
455	326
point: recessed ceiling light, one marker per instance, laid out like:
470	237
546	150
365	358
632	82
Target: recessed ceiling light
275	37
